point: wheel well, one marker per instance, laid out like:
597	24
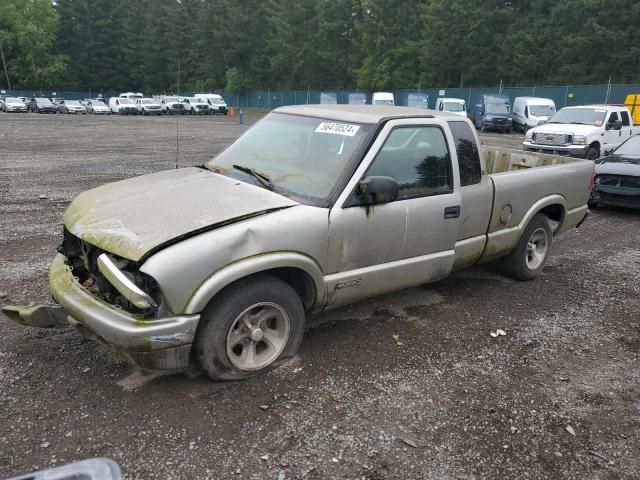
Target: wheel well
554	213
298	279
595	144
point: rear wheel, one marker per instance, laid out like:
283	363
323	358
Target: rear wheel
528	259
252	327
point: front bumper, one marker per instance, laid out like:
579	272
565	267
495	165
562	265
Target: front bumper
506	126
578	151
16	109
155	344
616	196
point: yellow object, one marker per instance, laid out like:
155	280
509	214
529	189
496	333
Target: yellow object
632	102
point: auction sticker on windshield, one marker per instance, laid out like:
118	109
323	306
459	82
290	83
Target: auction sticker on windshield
345	129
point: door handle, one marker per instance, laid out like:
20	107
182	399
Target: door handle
452	212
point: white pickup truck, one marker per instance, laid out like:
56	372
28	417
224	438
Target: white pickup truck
589	131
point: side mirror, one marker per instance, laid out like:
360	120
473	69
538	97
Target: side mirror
375	190
615	125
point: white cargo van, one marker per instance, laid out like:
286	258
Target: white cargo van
123	106
452	105
529	112
383	98
215	101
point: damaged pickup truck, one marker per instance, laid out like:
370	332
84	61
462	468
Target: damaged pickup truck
218	267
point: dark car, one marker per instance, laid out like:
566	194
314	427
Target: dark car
43	105
616	180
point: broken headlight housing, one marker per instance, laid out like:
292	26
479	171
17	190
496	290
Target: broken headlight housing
124	282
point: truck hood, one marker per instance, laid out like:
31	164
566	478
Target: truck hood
133	217
614	165
568	128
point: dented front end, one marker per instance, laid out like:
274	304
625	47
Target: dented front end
149	338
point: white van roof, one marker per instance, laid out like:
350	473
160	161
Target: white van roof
537	100
452	99
387	95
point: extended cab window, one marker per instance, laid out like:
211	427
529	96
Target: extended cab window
417	158
468	156
625	118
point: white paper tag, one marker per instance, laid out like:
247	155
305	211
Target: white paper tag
344	129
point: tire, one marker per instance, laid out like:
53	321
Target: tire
482	127
528	259
223	339
593	153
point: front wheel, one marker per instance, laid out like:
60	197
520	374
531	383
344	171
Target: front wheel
252	327
528	259
593	153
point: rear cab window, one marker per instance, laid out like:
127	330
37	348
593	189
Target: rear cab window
468	155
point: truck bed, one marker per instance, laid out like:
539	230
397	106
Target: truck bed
500	160
525	182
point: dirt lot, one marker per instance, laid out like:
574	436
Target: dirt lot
442	400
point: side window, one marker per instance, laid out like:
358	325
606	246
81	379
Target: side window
417	158
441	106
613	117
468	156
625	118
526	112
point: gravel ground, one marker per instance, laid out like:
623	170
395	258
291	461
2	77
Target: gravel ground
405	386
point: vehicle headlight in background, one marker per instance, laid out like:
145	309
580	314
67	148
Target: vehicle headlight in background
579	140
123	284
529	135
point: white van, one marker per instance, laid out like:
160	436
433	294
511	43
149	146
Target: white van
123	106
215	101
383	98
529	112
452	105
418	100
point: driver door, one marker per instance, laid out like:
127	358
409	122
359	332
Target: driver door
612	138
380	248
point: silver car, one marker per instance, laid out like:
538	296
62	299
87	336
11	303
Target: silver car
218	267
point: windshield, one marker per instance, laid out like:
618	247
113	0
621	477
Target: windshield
383	102
12	100
630	148
542	110
302	155
216	101
126	101
497	108
454	107
171	99
580	116
43	100
73	103
95	103
147	101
